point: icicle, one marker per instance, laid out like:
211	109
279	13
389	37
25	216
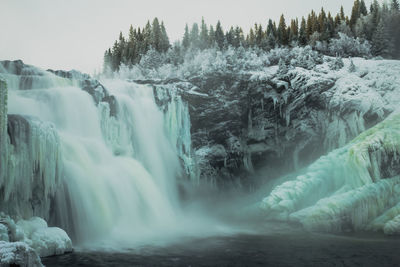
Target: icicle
177	120
3	131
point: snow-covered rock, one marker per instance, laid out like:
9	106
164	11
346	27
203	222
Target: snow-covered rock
50	241
46	241
23	242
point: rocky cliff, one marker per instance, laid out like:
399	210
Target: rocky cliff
278	122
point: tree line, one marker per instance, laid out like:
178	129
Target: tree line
379	25
129	50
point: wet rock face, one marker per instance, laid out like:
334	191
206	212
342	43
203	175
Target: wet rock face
240	124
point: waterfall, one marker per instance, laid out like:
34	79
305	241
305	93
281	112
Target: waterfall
118	175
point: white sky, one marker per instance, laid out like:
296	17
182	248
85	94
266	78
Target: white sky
73	34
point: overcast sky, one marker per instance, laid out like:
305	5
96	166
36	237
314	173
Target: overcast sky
73	34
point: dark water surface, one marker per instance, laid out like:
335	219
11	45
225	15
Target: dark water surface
294	249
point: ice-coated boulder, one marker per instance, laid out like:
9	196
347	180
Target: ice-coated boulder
46	241
24	242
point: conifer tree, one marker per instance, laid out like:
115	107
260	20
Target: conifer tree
282	34
363	8
219	35
259	35
322	21
211	37
251	38
131	45
303	32
309	26
115	56
337	20
342	16
164	42
294	30
270	41
229	36
381	43
239	39
194	35
203	43
330	29
156	35
147	38
355	13
314	24
394	5
186	38
271	28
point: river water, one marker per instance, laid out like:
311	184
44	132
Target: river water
293	248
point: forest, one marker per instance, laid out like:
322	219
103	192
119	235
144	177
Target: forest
367	32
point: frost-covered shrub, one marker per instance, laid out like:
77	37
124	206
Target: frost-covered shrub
314	38
305	57
275	55
348	46
231	60
198	62
352	67
344	28
283	68
167	71
336	64
252	59
322	47
152	59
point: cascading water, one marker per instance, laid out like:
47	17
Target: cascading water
119	173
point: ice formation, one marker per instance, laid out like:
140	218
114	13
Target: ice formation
33	166
3	128
346	189
177	121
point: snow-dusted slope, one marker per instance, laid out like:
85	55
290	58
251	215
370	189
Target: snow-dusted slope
348	188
